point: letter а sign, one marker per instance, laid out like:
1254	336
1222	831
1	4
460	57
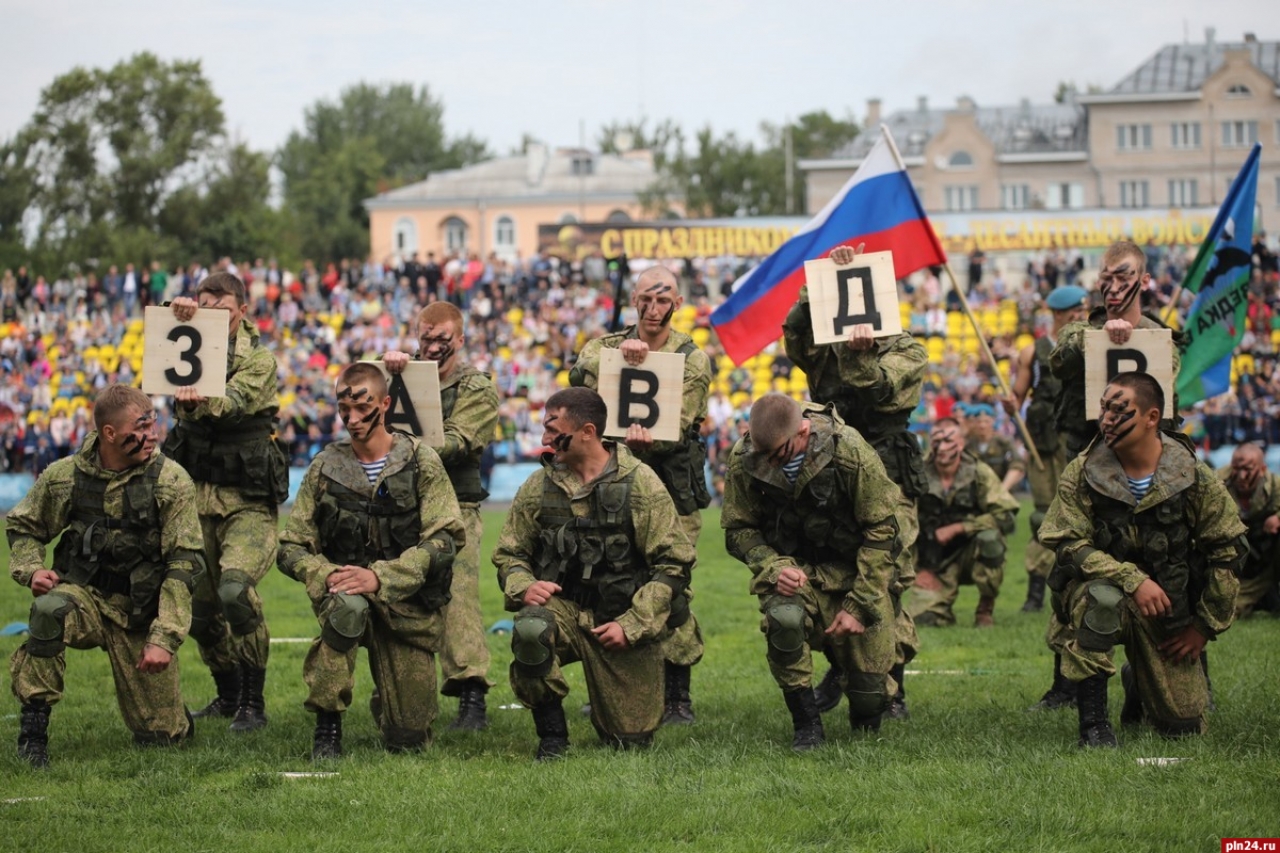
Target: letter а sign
649	394
843	297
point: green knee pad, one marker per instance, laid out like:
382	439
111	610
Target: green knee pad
1037	519
867	694
784	619
233	592
48	625
991	548
1099	629
203	622
533	641
345	622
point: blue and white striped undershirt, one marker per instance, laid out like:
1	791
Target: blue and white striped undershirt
373	469
791	470
1140	486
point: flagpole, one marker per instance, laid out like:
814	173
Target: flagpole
968	312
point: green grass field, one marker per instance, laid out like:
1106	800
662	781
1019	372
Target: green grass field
971	769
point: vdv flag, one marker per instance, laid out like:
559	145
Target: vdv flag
878	207
1220	277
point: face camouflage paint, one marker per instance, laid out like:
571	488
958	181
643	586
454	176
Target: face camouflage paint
1120	287
945	445
352	393
143	429
436	349
562	441
1117	417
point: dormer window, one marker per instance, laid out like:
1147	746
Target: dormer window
960	160
583	164
1239	90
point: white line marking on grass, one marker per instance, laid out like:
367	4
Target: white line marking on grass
291	639
516	707
23	800
295	775
1159	762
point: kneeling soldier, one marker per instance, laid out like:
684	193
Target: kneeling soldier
128	558
1256	492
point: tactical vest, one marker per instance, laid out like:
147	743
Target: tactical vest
464	475
1045	391
116	556
359	530
934	513
594	559
814	526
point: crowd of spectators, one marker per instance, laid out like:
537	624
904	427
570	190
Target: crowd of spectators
63	340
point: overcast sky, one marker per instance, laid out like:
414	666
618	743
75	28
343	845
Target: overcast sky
507	67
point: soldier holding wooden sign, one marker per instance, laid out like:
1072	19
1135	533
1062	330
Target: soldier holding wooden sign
680	464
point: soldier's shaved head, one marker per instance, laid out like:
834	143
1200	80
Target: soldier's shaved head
656	278
362	373
117	401
1248	451
775	418
1122	251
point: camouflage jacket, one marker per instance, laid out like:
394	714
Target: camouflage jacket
977	499
43	514
658	537
472	422
302	554
1000	455
1212	546
1263	503
841	477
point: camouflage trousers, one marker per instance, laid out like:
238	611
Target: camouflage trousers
1174	695
871	652
624	687
907	640
239	548
683	646
963	567
1044	486
464	652
151	703
1254	589
402	661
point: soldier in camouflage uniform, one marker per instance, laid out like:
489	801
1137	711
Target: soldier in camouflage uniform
372	535
122	577
1256	492
469	403
1148	542
810	510
964	518
593	558
681	465
874	384
998	452
1033	379
228	446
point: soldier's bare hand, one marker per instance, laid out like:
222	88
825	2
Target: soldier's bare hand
1151	599
790	580
948	532
184	308
1187	643
861	338
1118	331
43	581
845	624
639	439
154	659
1271	525
928	581
540	592
611	636
353	580
634	351
189	396
845	255
1010	404
395	361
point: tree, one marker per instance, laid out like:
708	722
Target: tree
374	138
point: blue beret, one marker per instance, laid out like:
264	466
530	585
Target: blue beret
1066	297
973	410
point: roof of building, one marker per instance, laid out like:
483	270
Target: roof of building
538	173
1185	67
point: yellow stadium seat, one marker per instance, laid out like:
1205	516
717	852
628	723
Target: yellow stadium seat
701	336
135	327
562	379
740	399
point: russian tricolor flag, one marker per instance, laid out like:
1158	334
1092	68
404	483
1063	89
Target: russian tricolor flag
877	207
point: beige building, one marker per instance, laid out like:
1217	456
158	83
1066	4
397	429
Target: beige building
497	206
1171	135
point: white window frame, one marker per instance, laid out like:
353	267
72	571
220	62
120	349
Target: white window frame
1239	133
456	235
404	236
1135	194
1183	192
960	197
1133	137
1015	196
1185	135
500	244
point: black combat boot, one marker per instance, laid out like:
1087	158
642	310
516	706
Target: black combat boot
1035	595
251	713
897	709
678	707
805	718
33	734
1091	700
472	713
552	729
1131	710
830	690
327	742
1062	694
227	702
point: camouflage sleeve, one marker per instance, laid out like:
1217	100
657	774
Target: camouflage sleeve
874	498
889	381
999	507
38	519
697	385
182	544
667	553
1067	359
1272	506
740	517
1016	459
1220	535
586	369
1068	529
513	553
299	555
474	420
797	333
442	534
251	390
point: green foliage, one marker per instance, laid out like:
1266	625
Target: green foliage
374	138
971	770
